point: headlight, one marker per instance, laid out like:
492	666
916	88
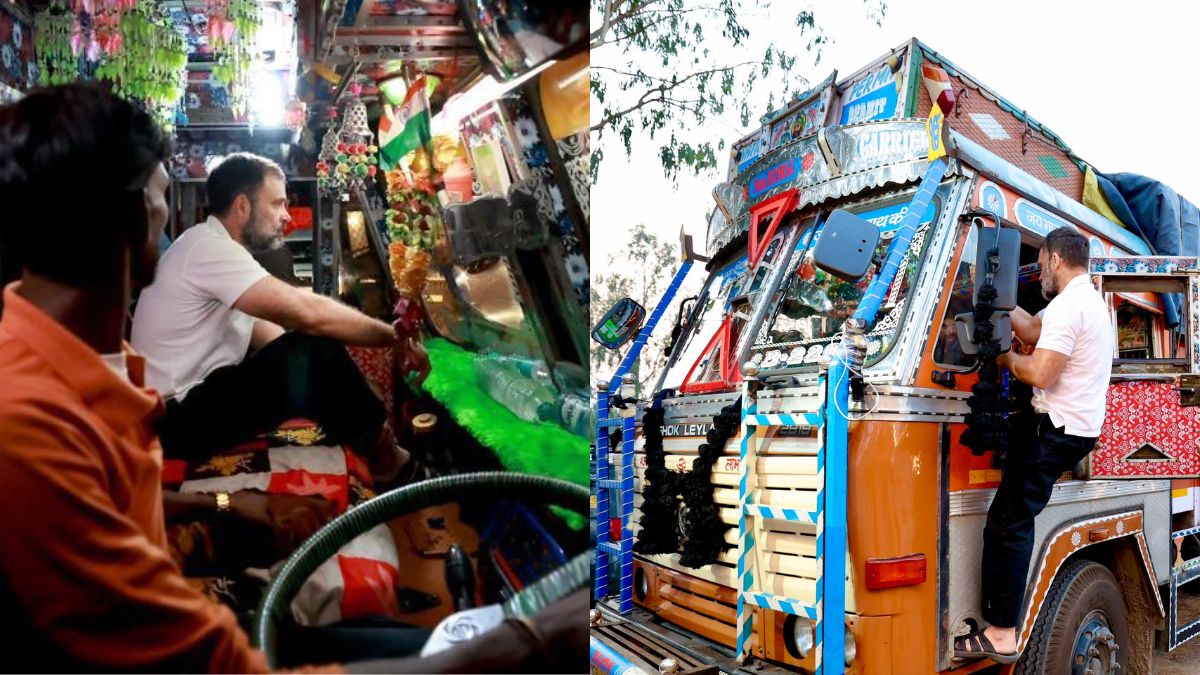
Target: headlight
851	647
641	588
798	636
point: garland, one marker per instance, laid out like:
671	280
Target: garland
987	428
660	496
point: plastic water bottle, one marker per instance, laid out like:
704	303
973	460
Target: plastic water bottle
523	396
576	414
531	368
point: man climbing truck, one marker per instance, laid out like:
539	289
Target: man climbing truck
806	484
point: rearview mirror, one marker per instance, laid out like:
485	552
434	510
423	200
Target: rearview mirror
1001	330
1004	278
619	324
846	245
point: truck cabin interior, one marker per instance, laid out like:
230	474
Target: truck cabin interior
482	224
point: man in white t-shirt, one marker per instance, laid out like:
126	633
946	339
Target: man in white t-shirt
1069	371
212	302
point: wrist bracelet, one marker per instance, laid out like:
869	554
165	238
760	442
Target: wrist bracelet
533	638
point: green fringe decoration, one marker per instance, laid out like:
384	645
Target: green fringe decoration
526	447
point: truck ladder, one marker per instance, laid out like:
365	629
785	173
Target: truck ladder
828	518
621	550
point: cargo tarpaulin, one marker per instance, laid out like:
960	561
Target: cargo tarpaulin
1169	223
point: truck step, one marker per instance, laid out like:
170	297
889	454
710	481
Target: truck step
609	547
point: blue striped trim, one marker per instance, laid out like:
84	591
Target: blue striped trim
777	513
781	604
783	420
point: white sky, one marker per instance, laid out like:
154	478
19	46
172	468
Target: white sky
1116	80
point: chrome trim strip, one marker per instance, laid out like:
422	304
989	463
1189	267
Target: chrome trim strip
976	502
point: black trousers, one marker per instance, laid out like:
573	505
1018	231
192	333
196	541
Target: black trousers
1039	454
294	375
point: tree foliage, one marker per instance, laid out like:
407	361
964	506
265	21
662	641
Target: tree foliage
642	271
670	66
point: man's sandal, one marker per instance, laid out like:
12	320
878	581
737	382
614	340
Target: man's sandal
975	645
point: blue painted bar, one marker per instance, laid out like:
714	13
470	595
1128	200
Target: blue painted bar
626	556
607	661
837	432
868	307
648	328
622	551
600	450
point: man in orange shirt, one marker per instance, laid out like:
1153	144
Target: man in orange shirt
85	579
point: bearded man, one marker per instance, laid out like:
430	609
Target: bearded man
212	303
1069	371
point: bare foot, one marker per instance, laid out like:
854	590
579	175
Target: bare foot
1003	639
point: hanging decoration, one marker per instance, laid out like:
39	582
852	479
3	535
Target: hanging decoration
233	32
356	152
131	45
702	529
330	180
57	62
149	64
987	426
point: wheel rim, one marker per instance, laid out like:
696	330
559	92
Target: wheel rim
1096	647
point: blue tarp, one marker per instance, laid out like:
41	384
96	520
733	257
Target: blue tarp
1156	213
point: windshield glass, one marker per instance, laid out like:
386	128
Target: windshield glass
713	303
811	306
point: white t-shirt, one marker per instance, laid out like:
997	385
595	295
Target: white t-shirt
1077	323
185	324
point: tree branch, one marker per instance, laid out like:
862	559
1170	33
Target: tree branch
619	18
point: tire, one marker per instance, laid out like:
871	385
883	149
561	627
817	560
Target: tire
1084	592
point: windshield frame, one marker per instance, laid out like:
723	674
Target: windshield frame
890	362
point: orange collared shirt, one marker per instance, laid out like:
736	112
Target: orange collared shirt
85	577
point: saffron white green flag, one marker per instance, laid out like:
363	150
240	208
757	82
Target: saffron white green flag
404	129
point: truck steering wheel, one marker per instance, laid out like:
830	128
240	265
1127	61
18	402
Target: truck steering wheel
495	485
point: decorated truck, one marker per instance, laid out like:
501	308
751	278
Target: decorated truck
793	490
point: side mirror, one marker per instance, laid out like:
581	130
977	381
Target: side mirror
619	324
1001	330
1004	275
846	246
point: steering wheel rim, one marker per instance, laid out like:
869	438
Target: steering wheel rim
276	602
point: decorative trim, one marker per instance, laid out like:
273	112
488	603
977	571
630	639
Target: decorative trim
1073	535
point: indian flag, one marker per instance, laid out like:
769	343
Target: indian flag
404	129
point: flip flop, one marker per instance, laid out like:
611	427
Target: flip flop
975	645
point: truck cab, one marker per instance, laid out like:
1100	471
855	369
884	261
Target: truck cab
757	346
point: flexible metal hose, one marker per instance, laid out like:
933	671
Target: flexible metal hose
491	485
